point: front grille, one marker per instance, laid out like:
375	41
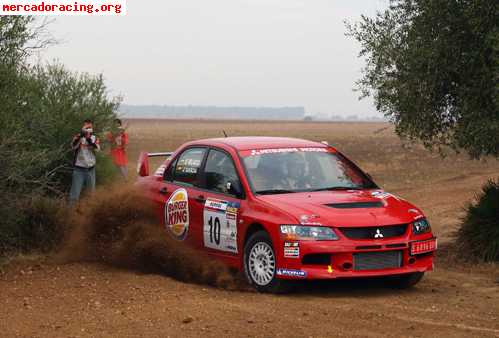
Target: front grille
356	205
316	259
368	247
377	260
375	232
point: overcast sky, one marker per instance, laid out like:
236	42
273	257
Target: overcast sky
223	52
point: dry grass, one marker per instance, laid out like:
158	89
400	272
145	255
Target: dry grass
441	187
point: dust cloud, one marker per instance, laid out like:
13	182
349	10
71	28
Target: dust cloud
119	227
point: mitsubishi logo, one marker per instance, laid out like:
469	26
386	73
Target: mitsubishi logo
378	234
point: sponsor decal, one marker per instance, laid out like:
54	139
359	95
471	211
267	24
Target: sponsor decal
187	170
423	246
220	225
177	214
214	204
309	220
256	152
292	273
291	249
190	162
188	166
312	223
380	194
160	171
231	209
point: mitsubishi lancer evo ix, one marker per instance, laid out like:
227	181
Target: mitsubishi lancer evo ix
282	209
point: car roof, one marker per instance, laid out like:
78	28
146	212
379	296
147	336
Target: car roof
260	142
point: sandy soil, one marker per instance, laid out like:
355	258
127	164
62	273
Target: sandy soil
82	300
39	298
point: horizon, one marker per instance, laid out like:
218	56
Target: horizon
241	53
258	113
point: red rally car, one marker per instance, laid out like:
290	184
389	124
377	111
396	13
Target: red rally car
283	208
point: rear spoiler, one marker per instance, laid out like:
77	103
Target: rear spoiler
165	154
143	162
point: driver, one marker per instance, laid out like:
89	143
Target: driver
296	178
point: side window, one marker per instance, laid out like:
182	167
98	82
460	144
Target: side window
220	173
187	166
168	175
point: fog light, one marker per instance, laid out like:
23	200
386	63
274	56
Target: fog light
347	266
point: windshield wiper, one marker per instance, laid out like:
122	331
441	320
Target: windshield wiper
336	188
273	191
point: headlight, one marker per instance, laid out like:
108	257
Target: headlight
421	226
304	232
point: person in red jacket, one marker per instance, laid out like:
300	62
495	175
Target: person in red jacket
119	143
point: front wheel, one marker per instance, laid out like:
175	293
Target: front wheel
260	264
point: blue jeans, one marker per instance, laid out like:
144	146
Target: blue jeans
81	178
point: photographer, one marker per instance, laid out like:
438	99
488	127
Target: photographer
84	145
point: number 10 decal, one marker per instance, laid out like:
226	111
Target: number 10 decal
220	225
214	230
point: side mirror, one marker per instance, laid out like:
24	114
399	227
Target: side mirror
235	188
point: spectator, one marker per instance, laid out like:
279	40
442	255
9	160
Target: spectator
84	145
119	142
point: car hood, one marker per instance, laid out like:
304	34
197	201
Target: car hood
350	208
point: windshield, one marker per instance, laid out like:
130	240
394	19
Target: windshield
288	170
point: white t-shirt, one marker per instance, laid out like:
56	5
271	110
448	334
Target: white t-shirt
85	156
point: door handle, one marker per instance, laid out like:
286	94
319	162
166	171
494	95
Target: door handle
163	191
200	199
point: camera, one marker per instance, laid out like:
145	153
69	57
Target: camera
86	132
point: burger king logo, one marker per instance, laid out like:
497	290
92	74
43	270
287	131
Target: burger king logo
177	214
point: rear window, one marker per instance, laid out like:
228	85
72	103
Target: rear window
188	165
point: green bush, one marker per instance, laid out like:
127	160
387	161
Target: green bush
36	224
478	236
41	109
105	171
36	136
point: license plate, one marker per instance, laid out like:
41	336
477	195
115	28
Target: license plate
423	246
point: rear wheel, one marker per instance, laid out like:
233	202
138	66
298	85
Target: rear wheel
260	264
408	280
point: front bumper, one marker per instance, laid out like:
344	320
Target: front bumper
336	259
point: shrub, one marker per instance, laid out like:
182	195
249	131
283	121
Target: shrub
38	223
105	171
41	109
478	236
36	135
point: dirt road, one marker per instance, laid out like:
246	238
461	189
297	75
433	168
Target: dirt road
81	300
42	299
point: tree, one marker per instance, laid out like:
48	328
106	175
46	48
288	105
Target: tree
432	67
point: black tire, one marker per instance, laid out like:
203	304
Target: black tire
407	281
275	285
